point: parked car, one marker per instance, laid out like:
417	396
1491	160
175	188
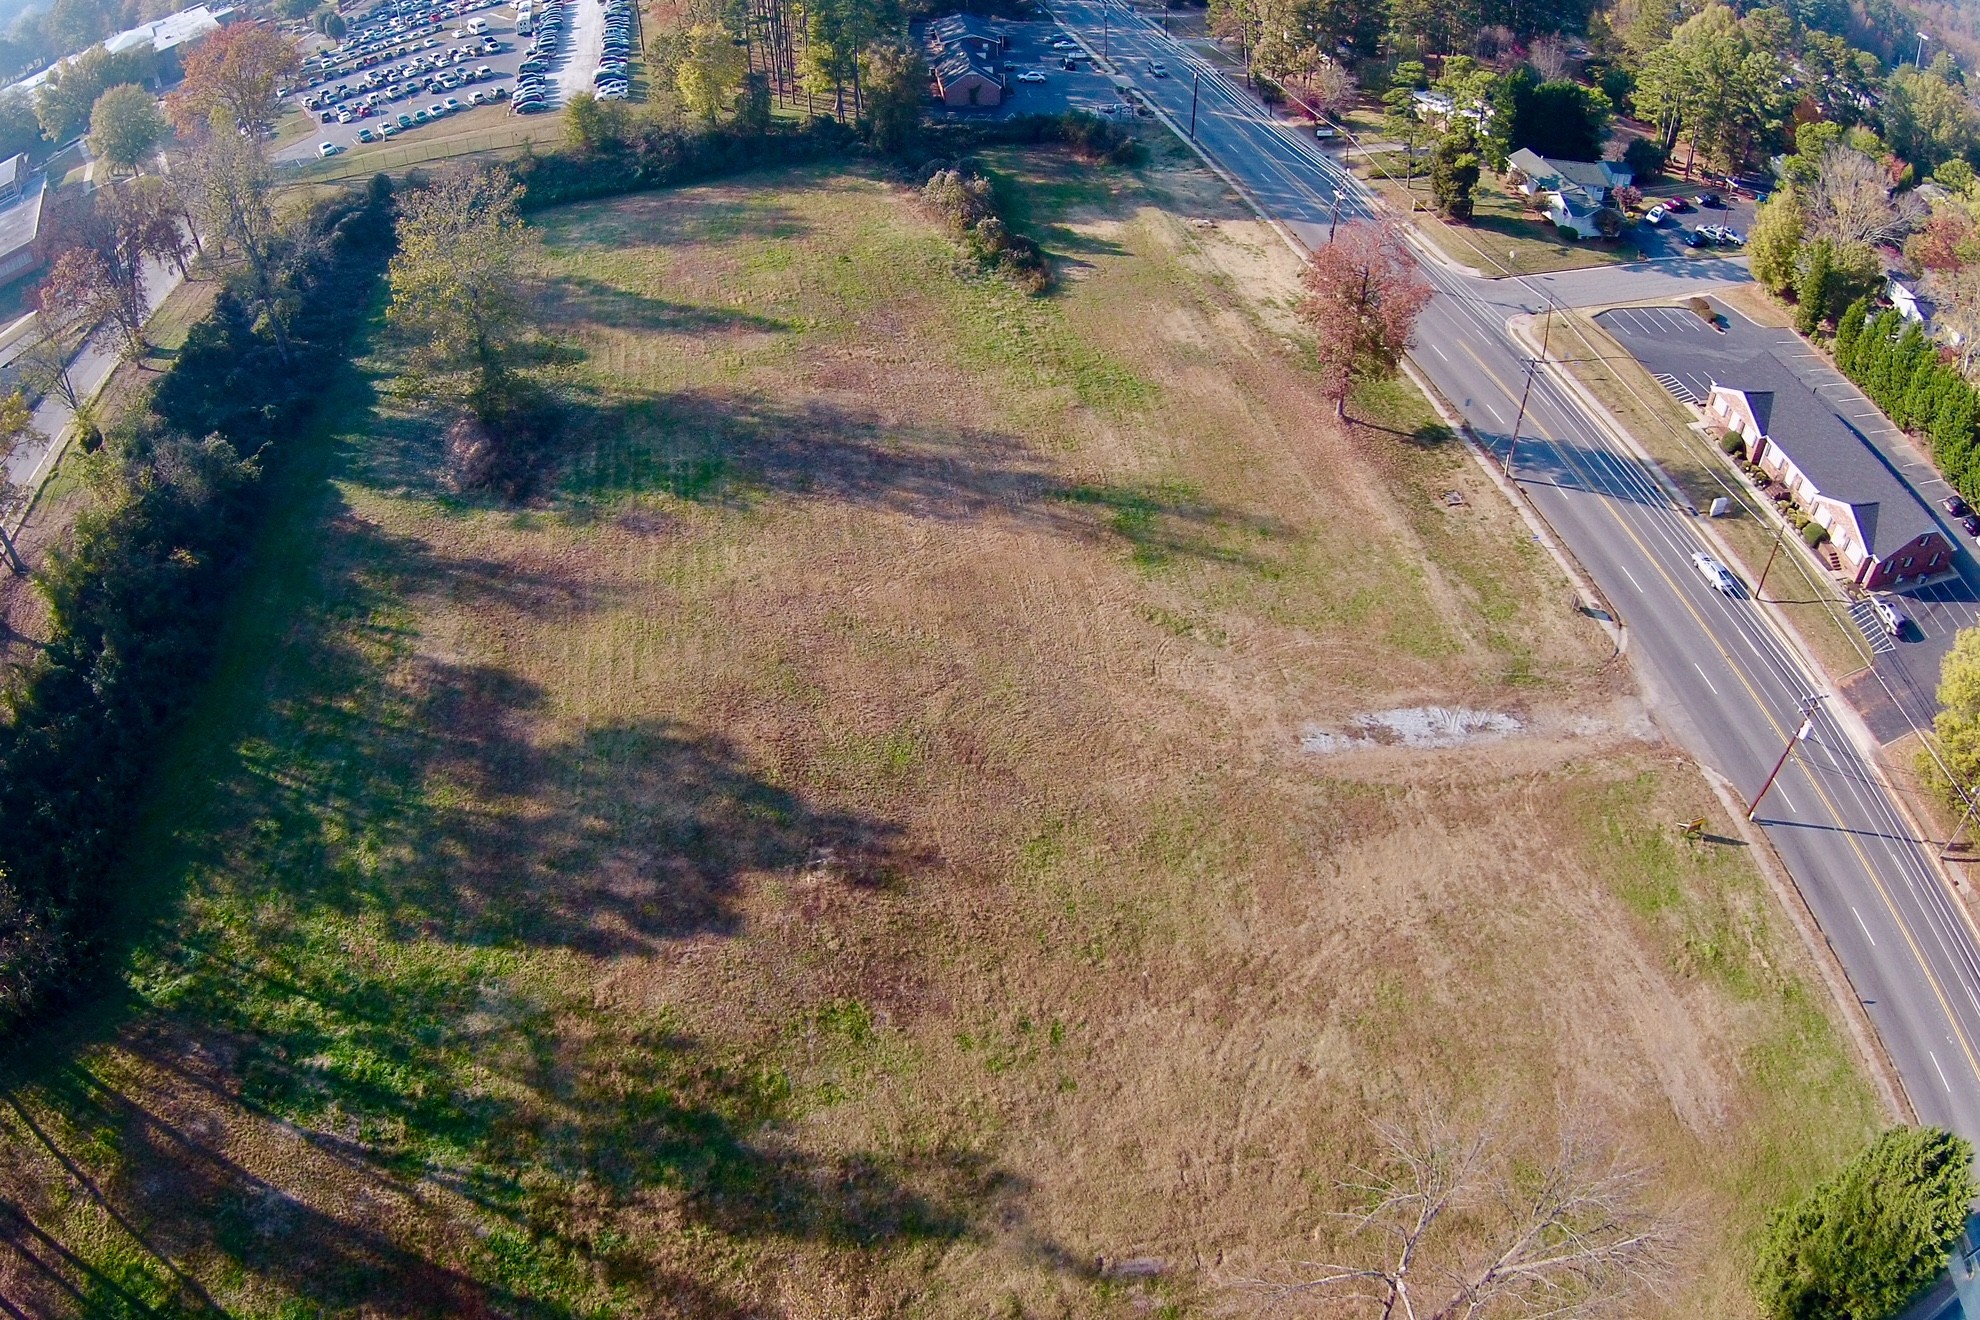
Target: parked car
1716	574
1655	216
1971	522
1954	505
325	150
1891	616
1031	76
1693	239
366	135
1710	201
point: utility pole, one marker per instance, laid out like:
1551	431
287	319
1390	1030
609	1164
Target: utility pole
1105	19
1761	586
1194	87
1800	735
1334	215
1945	853
1532	369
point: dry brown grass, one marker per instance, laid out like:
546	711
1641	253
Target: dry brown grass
849	848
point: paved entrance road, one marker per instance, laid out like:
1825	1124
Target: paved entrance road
1721	674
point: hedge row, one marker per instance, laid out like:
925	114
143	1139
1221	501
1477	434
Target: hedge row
136	597
1899	368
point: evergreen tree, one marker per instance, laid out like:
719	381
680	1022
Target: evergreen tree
1849	329
1911	356
1814	284
1454	172
1860	1244
1953	421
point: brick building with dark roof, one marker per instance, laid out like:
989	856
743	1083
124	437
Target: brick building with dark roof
1881	531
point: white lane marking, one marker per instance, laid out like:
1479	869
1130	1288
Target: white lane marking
1785	798
1866	930
1439	352
1708	681
1632	578
1941	1071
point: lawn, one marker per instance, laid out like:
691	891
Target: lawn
1505	237
897	823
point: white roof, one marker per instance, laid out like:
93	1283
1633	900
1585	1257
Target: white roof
172	30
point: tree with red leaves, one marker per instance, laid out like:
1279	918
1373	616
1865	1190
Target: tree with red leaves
1363	293
237	69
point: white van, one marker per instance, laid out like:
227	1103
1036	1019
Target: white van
478	26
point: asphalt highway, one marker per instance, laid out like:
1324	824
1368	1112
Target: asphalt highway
1721	673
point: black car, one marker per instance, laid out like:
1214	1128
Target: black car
1711	201
1954	505
1972	525
1692	238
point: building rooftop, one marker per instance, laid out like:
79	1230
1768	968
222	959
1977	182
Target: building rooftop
948	31
960	61
1833	454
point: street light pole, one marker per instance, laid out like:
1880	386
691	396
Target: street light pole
1194	87
1922	39
1334	215
1798	736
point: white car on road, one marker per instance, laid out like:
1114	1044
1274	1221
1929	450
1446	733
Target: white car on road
1716	574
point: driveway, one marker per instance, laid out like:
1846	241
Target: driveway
1683	353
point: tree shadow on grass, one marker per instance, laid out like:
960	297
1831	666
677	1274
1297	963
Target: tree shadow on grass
575	299
716	214
740	452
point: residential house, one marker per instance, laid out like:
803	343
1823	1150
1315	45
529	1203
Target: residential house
965	55
1914	305
1575	190
1883	534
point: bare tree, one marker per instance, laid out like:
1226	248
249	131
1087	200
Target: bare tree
44	365
1458	1229
1327	89
229	183
1548	56
1850	201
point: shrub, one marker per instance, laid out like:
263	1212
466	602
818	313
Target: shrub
1645	158
1567	233
967	209
1861	1244
1734	444
135	598
1814	533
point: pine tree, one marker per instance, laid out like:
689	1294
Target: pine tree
1849	329
1813	284
1953	424
1911	356
1454	172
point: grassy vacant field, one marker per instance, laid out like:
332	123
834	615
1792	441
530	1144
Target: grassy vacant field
886	830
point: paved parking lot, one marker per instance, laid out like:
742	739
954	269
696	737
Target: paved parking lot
1678	348
1665	240
571	69
1030	47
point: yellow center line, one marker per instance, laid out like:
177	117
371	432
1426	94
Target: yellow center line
1821	790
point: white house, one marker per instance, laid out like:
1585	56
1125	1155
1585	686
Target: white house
1575	190
1913	305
